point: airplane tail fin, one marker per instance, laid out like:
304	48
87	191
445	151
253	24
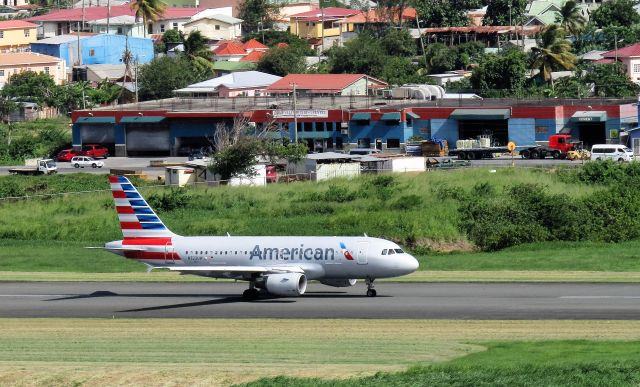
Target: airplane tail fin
137	219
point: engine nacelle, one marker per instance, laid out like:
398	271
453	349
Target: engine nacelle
286	284
339	283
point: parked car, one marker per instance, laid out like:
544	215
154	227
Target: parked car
611	152
84	161
95	151
198	155
66	155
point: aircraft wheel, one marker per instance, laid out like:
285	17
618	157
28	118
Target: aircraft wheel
250	294
371	293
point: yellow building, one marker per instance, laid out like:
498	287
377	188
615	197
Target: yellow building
17	62
17	35
320	23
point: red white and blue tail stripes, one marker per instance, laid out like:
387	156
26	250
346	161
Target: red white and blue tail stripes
137	219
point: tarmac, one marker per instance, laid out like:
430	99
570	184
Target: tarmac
522	301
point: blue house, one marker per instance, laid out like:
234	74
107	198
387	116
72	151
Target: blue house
95	49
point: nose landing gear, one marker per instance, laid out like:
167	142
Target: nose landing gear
371	292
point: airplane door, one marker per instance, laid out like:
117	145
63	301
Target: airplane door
362	252
168	254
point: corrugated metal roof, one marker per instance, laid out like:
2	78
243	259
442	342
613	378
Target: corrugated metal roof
14	24
329	83
361	116
237	80
624	52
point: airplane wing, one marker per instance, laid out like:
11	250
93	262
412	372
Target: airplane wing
235	269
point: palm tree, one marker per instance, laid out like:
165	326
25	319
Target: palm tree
553	53
149	10
196	49
570	18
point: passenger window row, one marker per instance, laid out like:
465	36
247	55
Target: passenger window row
392	251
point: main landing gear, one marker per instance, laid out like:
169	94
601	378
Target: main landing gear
371	292
252	293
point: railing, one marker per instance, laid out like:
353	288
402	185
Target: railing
240	104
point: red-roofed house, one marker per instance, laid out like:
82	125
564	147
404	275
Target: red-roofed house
253	56
629	56
321	22
327	84
66	20
282	45
16	35
229	51
254	45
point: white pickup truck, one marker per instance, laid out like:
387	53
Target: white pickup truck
36	167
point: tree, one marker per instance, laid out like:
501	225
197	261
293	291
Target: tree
615	13
553	53
500	75
570	18
257	14
160	77
148	10
29	86
611	80
7	106
439	58
238	147
399	71
362	55
197	51
437	13
105	93
571	87
282	61
273	37
398	42
73	96
503	12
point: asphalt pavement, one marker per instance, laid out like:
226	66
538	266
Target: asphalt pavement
394	301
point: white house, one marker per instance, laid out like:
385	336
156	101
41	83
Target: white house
120	25
630	58
215	27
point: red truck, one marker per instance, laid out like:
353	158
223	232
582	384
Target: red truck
95	151
559	145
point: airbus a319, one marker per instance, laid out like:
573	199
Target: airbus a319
279	265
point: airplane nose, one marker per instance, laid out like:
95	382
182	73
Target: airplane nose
408	264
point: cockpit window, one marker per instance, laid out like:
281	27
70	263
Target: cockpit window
391	251
399	251
384	252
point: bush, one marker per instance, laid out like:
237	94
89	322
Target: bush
169	200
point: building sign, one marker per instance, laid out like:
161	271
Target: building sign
584	119
301	113
613	133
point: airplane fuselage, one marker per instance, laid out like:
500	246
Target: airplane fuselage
319	257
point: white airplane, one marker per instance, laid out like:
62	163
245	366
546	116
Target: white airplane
280	265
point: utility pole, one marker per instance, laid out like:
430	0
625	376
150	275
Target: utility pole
295	113
322	21
108	14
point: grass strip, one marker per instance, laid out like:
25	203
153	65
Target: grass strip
223	352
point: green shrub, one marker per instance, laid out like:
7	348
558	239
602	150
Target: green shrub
169	200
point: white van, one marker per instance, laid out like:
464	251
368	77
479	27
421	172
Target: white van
611	152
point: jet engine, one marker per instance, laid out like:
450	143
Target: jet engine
339	283
286	284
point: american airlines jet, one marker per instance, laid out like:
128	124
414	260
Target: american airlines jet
280	265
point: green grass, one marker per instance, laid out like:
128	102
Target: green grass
546	363
549	256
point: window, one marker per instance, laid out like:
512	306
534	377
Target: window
92	52
409	121
1	73
175	26
217	27
161	27
27	33
393	143
338	142
320	126
399	251
384	252
308	126
149	28
120	31
636	68
1	34
391	251
46	70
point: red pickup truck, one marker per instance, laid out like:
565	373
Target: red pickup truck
95	151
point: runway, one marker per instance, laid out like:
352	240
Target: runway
395	300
